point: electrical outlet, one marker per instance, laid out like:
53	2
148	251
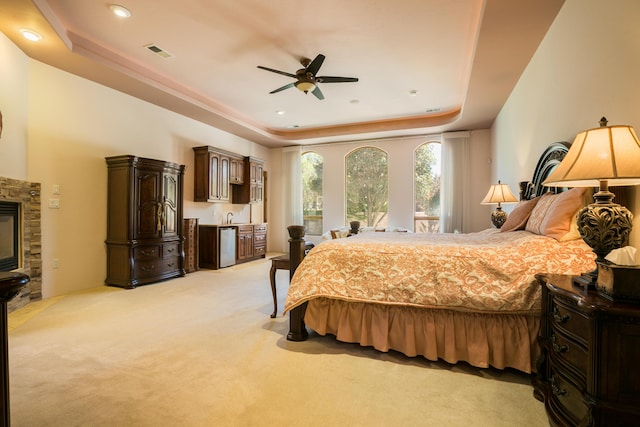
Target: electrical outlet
56	263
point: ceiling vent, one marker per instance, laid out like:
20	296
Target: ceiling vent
159	51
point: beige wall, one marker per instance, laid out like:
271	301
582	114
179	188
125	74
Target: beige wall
585	68
73	124
14	107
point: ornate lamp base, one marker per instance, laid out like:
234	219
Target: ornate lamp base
604	227
498	217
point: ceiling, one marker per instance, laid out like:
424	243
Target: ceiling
424	66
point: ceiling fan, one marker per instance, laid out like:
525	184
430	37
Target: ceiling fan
306	79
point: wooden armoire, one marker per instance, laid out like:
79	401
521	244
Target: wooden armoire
145	242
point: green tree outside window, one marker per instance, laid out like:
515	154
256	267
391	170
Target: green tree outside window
367	187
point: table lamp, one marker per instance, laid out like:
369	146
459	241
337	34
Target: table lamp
599	157
499	193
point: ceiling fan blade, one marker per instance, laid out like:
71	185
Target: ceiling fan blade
282	88
277	71
331	79
315	65
318	93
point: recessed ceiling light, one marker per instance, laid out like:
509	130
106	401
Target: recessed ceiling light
120	11
413	93
31	35
280	112
354	101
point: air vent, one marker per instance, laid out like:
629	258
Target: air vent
159	51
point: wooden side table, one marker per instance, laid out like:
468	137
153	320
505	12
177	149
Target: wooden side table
282	262
587	372
10	285
278	263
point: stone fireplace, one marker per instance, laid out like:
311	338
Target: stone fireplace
27	195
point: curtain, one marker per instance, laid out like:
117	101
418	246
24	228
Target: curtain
455	200
292	186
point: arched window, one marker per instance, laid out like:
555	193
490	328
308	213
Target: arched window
426	217
312	192
367	187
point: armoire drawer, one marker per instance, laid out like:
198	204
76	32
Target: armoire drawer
149	269
170	250
147	252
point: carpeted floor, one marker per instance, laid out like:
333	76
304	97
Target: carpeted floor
202	351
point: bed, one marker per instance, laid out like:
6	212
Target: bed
455	297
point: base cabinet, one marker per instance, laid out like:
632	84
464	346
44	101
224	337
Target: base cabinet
209	246
252	242
144	221
259	240
588	372
244	244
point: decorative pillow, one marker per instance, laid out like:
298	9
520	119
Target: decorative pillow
574	233
558	218
538	213
339	234
517	219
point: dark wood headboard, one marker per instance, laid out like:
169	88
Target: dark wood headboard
551	157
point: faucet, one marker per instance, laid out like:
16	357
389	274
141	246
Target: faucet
228	220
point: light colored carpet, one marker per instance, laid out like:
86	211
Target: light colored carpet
202	351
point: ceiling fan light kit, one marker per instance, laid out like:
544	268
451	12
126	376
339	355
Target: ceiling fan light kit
305	86
306	79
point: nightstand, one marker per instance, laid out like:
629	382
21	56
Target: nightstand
588	372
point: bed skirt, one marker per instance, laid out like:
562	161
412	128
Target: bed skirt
482	340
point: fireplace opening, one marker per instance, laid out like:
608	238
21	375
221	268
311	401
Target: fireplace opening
9	235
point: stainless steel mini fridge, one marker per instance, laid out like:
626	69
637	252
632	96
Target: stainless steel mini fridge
227	246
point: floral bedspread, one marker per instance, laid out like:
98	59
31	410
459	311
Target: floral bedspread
487	271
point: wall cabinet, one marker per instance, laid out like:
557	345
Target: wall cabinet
236	170
588	372
144	221
214	171
252	190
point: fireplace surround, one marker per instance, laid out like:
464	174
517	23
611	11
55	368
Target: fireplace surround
27	195
10	226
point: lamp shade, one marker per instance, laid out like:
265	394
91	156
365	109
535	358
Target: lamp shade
499	193
603	156
606	153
